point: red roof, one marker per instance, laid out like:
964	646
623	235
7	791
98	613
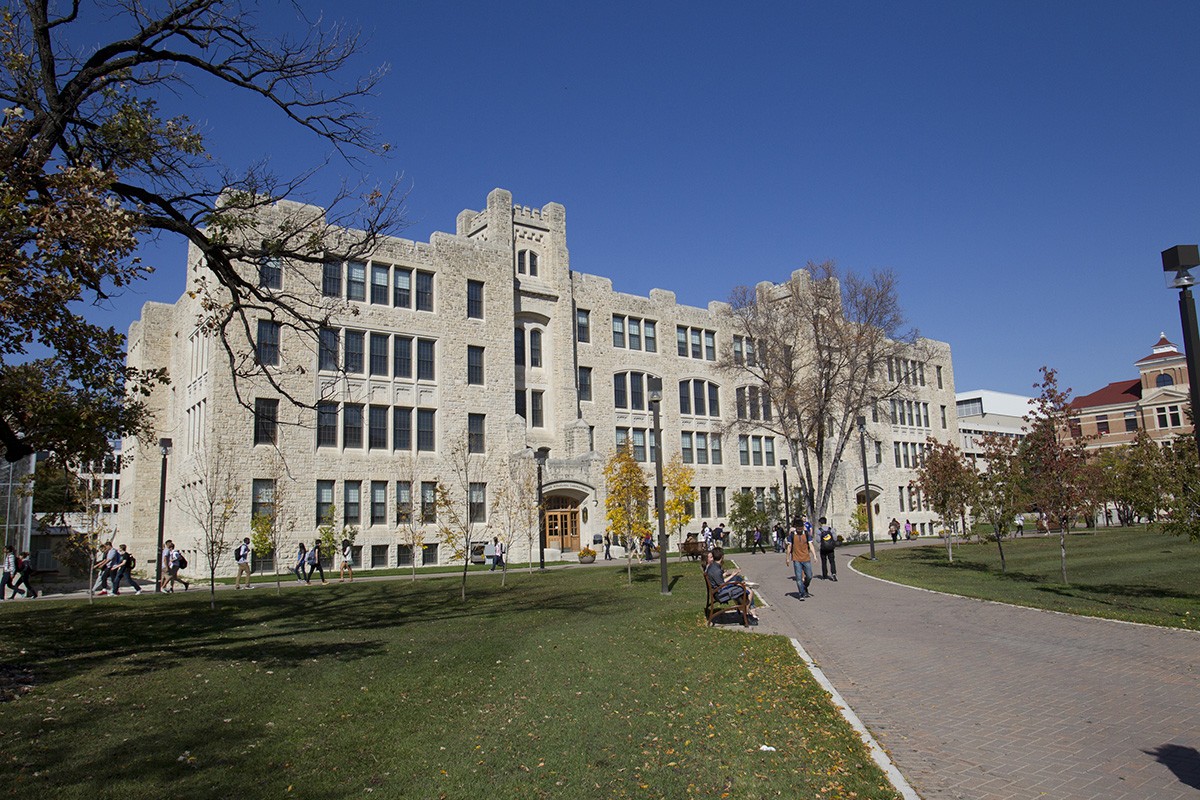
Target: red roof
1111	395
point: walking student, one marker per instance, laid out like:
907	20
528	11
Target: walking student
125	571
498	558
242	555
799	558
827	543
108	566
347	561
24	573
314	563
10	572
301	560
177	561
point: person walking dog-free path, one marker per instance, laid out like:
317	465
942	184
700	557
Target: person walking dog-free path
827	542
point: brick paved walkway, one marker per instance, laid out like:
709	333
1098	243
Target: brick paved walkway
981	701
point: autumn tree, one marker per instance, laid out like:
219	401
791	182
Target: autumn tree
210	499
1180	501
90	166
275	521
514	507
462	502
627	503
1133	477
1001	493
409	523
1053	455
744	514
818	351
948	482
681	495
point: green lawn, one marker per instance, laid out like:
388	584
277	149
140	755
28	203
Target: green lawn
1119	573
568	684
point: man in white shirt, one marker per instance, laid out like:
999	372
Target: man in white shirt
242	554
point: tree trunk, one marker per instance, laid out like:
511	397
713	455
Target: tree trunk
1062	551
212	585
1000	544
949	545
466	563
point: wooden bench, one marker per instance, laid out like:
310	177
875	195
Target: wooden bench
713	607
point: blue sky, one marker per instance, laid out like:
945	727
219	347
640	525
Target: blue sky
1018	165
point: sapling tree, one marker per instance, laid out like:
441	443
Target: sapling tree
948	482
681	494
210	499
627	503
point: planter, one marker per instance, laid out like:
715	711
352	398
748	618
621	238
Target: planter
587	559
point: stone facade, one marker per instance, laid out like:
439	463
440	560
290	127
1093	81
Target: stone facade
487	325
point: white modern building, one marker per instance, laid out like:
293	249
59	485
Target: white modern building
984	411
482	341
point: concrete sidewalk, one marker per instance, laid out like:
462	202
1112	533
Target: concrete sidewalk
982	701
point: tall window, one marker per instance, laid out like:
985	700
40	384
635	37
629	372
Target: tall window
262	497
327	420
425	359
352	494
402	356
474	365
424	291
535	348
327	352
379	284
620	397
266	417
379	354
585	383
378	502
475	299
650	334
428	501
270	273
536	415
377	428
618	330
331	279
477	502
685	442
426	420
402	428
402	287
352	426
634	327
527	263
268	342
476	433
404	507
1102	424
354	352
583	325
324	500
356	281
720	495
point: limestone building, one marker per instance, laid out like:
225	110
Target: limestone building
482	341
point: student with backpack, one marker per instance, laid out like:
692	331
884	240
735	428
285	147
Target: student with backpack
24	573
827	543
177	562
241	555
10	571
125	571
314	563
799	558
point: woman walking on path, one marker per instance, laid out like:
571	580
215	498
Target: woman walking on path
347	561
301	560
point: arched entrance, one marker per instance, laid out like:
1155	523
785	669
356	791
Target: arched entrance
562	523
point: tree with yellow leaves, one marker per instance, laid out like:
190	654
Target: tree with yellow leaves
681	495
627	504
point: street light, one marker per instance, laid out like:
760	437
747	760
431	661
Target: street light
164	447
540	456
1179	260
862	440
654	392
787	507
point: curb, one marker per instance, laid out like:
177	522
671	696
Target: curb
878	755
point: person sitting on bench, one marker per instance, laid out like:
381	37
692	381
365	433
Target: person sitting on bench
729	585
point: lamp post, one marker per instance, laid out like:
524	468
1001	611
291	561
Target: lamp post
862	440
654	392
164	447
540	456
787	506
1179	260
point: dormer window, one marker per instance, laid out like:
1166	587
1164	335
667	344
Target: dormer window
1164	379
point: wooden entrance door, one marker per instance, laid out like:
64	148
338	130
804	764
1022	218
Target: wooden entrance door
562	524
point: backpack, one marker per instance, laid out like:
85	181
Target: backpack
131	562
828	543
182	562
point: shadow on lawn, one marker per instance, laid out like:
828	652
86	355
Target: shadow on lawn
1098	591
936	559
62	640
